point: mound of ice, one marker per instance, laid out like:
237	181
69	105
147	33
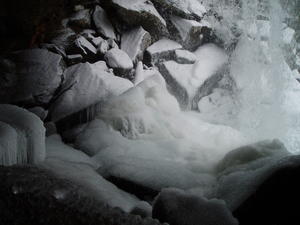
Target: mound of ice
152	143
22	136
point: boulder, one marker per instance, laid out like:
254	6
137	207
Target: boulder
22	136
81	19
102	23
185	57
190	33
26	191
135	42
86	84
160	51
30	76
190	82
190	9
140	12
178	207
273	200
83	47
119	61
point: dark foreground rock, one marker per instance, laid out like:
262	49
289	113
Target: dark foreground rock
29	195
30	76
178	207
275	200
260	184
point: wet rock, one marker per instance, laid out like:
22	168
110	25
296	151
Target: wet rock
136	13
102	23
135	42
185	57
119	61
190	82
189	33
178	207
162	50
30	76
86	84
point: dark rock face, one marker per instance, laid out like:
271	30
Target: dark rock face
30	76
275	201
29	195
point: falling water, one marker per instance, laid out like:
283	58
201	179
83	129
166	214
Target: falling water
267	92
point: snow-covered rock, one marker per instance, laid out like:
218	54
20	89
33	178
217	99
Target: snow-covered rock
102	23
189	33
243	155
86	84
83	47
178	207
141	12
190	82
142	74
184	8
103	47
160	51
30	76
135	42
81	19
185	57
22	138
119	61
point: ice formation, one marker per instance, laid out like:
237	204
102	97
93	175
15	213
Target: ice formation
22	137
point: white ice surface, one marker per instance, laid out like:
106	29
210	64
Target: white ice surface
143	136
